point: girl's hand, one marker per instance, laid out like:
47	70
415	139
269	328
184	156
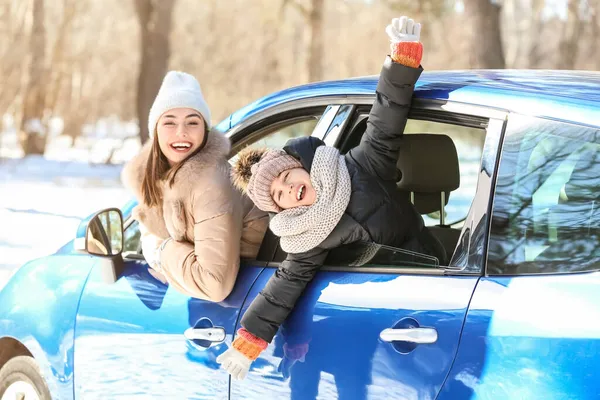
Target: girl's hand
403	29
405	47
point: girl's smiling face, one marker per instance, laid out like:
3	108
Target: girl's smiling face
181	131
292	188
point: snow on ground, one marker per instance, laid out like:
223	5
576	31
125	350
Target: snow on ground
43	200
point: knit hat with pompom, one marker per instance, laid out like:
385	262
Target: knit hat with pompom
256	169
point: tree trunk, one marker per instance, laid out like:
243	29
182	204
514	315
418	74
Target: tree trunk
33	131
569	42
486	39
315	51
59	67
535	33
596	33
154	17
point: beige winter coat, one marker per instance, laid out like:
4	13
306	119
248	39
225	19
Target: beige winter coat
213	224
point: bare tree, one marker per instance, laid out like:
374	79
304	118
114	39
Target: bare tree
486	40
33	132
154	17
535	33
13	51
82	74
314	19
315	53
595	32
570	37
59	68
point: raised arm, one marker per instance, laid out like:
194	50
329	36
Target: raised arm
378	150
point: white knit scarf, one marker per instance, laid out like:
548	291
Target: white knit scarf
304	228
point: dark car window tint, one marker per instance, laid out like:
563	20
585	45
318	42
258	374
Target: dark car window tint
368	254
546	213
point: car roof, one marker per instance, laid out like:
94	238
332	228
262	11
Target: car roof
572	96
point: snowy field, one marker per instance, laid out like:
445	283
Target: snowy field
42	200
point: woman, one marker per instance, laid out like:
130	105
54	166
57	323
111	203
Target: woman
195	225
323	200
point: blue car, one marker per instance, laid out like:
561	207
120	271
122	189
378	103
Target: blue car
506	166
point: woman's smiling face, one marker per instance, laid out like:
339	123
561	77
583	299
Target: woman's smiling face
180	131
292	188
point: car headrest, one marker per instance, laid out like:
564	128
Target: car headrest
428	164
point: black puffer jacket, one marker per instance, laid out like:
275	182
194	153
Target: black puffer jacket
377	212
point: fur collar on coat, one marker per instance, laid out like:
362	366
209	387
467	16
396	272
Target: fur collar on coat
209	163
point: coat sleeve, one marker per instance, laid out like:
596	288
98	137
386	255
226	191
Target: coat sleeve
255	224
275	302
378	150
207	269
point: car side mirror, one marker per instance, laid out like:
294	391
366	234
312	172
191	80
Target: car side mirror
101	234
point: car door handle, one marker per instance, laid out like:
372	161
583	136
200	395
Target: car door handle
214	334
412	335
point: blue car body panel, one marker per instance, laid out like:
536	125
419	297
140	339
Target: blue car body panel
340	318
530	337
38	307
130	338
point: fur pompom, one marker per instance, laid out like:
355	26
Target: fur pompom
241	171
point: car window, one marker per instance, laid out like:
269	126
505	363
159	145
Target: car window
468	142
546	214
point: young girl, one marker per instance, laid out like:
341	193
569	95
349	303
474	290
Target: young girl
195	225
323	200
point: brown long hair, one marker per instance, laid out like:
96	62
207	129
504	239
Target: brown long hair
158	168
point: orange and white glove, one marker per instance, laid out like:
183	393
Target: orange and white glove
244	350
404	34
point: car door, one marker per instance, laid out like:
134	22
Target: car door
532	330
133	337
390	328
139	338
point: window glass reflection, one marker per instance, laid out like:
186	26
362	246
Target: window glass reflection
546	207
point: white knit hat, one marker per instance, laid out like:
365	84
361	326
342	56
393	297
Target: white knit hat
178	90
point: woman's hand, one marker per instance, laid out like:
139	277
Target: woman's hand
404	34
151	246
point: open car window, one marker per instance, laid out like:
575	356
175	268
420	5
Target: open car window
467	135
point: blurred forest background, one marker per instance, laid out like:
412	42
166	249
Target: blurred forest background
77	68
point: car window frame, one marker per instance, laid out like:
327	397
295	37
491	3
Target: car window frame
434	109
